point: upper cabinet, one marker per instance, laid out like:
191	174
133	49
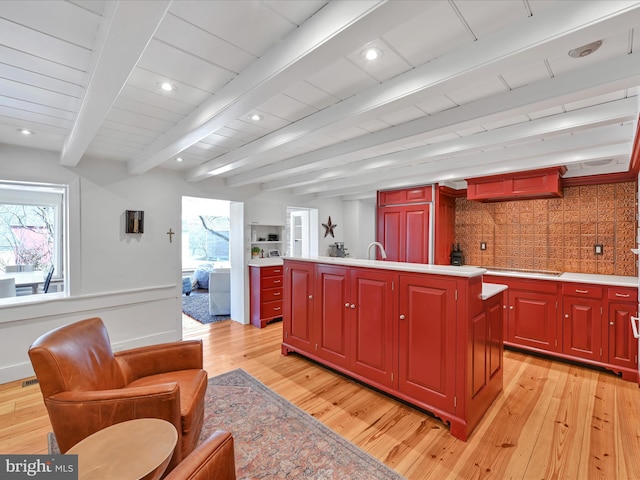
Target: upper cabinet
402	197
544	183
404	223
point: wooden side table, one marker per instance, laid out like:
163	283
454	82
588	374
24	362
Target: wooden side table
132	450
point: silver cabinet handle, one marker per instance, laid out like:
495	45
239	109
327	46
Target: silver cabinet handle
566	315
634	325
622	295
353	306
310	297
401	317
346	304
582	291
276	294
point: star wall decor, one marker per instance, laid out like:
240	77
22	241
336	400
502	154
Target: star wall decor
328	227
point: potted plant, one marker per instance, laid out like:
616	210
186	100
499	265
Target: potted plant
255	252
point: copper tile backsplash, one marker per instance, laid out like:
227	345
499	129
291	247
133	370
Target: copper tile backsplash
557	234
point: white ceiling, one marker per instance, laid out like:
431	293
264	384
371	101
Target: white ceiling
464	88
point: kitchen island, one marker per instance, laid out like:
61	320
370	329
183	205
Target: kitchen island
429	335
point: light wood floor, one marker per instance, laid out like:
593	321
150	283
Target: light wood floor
553	419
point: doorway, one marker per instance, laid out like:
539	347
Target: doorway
300	240
205	243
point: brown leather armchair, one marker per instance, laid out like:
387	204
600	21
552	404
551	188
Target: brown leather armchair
86	387
212	460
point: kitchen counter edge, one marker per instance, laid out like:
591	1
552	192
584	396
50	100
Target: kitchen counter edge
468	272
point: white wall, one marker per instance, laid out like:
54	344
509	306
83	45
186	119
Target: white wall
360	218
132	281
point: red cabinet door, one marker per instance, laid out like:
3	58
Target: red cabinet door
390	227
404	232
582	327
416	234
298	307
532	320
371	307
332	311
623	346
427	339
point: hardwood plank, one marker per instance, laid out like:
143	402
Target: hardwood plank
553	419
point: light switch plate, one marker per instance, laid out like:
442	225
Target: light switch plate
598	249
483	245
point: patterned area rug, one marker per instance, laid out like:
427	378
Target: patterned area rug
196	306
275	440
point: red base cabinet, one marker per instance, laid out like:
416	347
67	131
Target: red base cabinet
427	335
299	283
266	294
575	321
582	321
412	335
622	345
371	339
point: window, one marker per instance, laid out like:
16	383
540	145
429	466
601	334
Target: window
205	232
32	218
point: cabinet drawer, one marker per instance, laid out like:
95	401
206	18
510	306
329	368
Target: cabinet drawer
623	294
270	271
271	294
578	290
270	282
271	309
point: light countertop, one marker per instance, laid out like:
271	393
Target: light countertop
265	262
491	289
467	272
611	280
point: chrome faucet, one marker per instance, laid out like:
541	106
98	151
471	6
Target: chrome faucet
383	254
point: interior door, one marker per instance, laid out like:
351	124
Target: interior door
299	243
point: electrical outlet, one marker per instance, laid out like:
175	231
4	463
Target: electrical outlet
483	245
598	249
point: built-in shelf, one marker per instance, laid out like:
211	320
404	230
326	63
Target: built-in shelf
260	231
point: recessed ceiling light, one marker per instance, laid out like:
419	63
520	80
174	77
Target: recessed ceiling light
599	163
178	159
371	54
585	50
167	87
24	131
255	117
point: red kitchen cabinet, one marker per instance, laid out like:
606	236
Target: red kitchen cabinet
531	318
266	294
404	232
531	313
299	284
372	314
427	332
333	311
582	321
347	318
543	183
622	345
404	196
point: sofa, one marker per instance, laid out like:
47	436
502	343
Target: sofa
220	291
